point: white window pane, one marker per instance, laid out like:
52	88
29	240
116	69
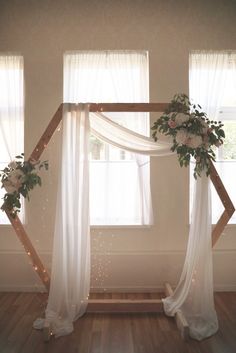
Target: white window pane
11	112
112	76
109	183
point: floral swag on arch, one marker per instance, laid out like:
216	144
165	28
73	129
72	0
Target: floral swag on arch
192	135
18	178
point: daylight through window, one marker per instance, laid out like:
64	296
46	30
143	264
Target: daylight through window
11	113
119	181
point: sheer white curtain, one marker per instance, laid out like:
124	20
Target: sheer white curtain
135	77
11	111
207	80
70	277
120	187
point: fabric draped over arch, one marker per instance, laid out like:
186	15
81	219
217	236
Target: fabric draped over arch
70	278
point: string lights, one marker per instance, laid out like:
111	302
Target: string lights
101	259
34	260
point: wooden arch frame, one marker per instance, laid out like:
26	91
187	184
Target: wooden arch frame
110	305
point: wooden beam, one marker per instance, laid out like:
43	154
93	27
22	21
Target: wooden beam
45	138
16	223
125	306
226	201
125	107
30	251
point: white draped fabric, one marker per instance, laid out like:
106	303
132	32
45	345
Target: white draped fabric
194	292
70	272
119	136
70	276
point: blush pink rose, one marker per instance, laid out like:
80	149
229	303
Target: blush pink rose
172	124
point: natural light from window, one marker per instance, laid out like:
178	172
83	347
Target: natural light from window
119	181
11	113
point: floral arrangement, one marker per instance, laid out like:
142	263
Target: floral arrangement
192	132
18	178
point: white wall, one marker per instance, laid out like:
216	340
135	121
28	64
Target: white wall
123	258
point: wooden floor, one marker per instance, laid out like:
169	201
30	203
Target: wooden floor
109	333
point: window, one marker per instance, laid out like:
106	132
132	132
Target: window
213	85
119	181
11	112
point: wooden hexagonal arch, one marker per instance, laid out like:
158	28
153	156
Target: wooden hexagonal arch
105	305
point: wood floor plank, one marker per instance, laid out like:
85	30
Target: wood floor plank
110	333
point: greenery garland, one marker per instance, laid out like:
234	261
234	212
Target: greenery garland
18	178
193	134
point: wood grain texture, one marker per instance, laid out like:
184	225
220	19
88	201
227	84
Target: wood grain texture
110	333
226	201
125	305
127	107
46	136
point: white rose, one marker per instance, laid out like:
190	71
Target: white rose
10	188
16	177
181	118
194	141
182	136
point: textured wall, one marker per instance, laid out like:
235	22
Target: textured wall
41	31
